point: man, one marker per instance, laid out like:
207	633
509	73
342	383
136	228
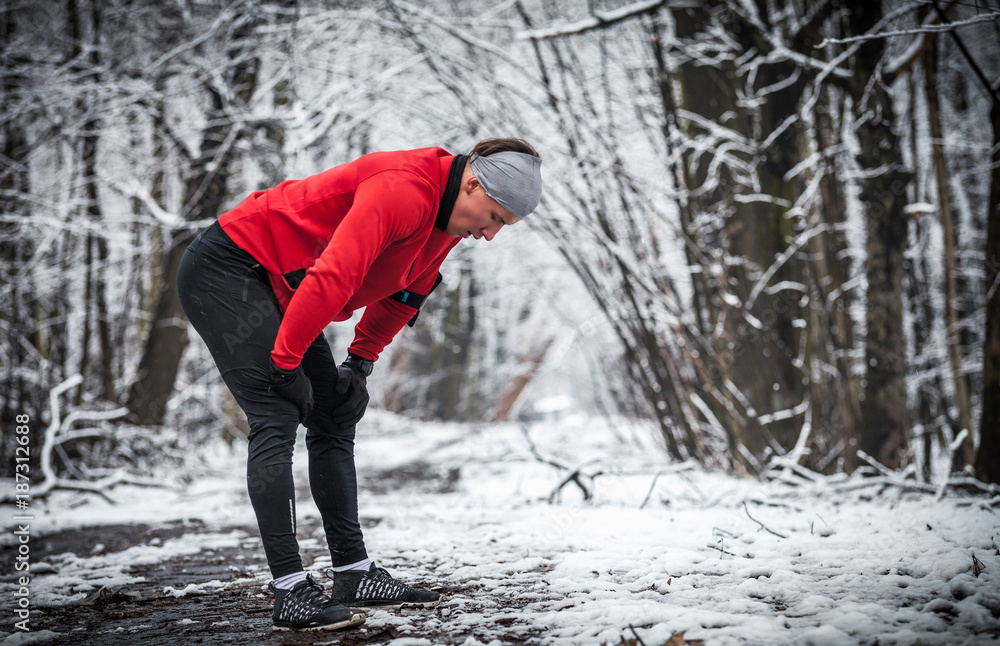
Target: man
260	285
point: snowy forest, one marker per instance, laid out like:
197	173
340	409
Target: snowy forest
737	376
770	227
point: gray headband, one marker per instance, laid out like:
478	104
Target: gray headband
513	179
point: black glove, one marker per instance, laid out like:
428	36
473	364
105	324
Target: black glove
294	386
351	391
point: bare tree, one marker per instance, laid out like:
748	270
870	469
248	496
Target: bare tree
228	89
85	38
988	455
18	322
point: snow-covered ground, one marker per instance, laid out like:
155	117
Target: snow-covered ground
656	549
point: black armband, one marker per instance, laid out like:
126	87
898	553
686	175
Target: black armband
414	300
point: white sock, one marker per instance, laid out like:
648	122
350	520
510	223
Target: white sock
289	581
360	565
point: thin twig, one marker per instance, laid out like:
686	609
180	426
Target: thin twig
649	494
965	52
927	28
639	639
716	547
762	525
535	452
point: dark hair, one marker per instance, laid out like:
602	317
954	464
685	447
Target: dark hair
487	147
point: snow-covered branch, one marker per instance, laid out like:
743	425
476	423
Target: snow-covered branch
926	28
59	432
597	20
471	40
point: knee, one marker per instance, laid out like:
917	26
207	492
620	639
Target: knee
272	437
324	434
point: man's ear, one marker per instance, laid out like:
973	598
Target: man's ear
471	184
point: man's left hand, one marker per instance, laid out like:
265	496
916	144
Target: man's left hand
352	392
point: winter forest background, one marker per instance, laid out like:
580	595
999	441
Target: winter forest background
770	226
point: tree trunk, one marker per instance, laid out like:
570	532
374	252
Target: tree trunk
705	314
988	455
95	290
836	401
20	393
147	400
885	423
760	345
204	194
966	454
161	356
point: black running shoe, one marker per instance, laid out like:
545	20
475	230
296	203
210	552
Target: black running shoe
307	607
377	589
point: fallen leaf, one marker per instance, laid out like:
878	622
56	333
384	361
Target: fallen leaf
977	566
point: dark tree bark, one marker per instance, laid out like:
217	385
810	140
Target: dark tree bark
835	399
963	403
885	414
759	350
988	455
20	394
96	245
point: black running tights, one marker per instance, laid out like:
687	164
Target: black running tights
228	300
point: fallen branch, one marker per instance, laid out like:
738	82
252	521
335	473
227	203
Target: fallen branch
875	464
534	450
574	477
878	476
60	431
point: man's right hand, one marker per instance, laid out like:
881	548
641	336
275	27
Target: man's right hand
294	386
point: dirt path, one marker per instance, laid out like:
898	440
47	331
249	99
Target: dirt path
233	607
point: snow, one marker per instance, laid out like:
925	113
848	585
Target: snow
192	589
661	548
34	637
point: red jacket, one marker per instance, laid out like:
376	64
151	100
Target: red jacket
363	230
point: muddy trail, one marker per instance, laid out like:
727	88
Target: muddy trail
216	595
225	602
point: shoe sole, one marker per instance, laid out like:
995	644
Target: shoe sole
406	605
356	619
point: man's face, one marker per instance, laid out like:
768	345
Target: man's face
476	214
